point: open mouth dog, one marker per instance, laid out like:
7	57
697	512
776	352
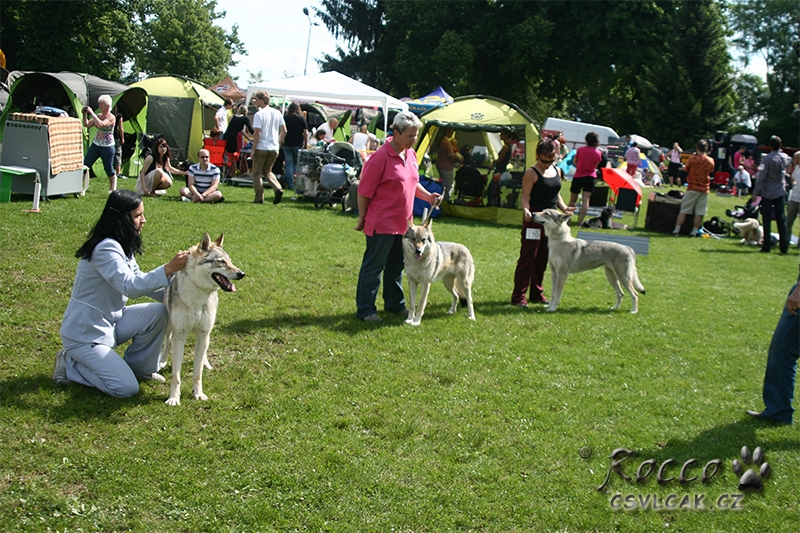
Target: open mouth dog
191	299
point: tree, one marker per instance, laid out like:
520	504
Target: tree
603	62
179	37
773	30
92	37
107	38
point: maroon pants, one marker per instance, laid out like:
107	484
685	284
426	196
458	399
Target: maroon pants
531	265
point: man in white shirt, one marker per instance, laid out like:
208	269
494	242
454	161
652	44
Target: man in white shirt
221	116
270	129
329	127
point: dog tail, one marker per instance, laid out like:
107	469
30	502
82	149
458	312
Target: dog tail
636	283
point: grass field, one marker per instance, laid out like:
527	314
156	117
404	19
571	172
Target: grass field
319	422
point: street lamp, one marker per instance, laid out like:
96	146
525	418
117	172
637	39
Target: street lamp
308	46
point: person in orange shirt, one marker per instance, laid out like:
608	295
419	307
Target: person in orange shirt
699	169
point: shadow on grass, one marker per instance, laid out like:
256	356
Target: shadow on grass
75	402
725	441
505	308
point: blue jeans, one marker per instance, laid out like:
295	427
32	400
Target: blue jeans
290	160
384	253
106	153
779	377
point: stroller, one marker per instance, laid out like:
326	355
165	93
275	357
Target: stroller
325	176
739	213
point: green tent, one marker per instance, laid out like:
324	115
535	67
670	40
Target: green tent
182	110
478	121
71	91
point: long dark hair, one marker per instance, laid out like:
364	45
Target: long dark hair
157	155
115	223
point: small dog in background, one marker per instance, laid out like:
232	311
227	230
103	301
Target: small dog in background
191	300
600	222
751	231
427	261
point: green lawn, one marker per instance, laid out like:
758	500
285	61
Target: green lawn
319	422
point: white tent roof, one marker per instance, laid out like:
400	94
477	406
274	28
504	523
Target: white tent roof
331	87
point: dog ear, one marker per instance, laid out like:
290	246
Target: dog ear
205	244
428	222
219	239
409	223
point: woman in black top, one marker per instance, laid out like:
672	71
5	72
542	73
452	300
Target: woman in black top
237	125
296	138
541	186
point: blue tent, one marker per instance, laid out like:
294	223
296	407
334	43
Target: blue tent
437	98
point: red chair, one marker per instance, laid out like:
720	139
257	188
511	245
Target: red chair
216	149
720	179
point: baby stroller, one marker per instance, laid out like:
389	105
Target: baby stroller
741	213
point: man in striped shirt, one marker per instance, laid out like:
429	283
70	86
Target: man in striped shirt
771	188
203	180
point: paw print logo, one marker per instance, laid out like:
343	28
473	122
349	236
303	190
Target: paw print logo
751	479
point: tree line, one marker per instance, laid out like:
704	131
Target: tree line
659	68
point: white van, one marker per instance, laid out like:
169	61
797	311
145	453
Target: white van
575	132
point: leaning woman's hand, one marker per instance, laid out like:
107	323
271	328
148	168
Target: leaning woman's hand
176	263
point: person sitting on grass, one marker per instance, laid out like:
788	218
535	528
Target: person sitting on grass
156	174
203	181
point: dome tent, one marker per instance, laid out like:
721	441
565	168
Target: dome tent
478	120
180	109
71	91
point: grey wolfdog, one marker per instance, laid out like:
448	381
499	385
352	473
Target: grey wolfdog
568	254
191	299
427	261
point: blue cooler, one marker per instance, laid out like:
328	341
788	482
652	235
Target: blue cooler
333	176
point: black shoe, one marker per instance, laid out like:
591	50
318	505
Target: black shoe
760	416
278	196
763	251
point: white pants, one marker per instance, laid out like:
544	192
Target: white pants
99	366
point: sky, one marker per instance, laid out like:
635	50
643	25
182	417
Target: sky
276	36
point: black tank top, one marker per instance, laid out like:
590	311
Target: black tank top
544	193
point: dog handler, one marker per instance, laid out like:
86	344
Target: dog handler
97	319
541	186
779	377
389	182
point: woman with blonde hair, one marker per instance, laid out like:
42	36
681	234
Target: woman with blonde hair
103	145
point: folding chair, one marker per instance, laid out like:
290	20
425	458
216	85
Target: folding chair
627	202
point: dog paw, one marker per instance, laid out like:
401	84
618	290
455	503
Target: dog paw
751	479
200	396
409	320
173	401
550	309
207	365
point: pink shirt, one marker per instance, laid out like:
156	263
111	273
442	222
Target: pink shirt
390	184
588	158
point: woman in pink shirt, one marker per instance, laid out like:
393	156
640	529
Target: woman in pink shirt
389	182
586	160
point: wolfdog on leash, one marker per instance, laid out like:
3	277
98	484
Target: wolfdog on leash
427	261
191	299
568	254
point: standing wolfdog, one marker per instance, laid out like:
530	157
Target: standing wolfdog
568	254
427	261
191	299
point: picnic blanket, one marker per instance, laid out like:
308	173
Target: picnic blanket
65	137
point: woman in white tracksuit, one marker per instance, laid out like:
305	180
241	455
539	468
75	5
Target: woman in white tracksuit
97	319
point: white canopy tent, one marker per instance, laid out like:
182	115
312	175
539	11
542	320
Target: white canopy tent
330	87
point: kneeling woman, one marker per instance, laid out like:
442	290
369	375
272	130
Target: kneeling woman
97	319
541	186
156	174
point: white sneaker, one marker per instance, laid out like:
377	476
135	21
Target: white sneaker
60	368
184	199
